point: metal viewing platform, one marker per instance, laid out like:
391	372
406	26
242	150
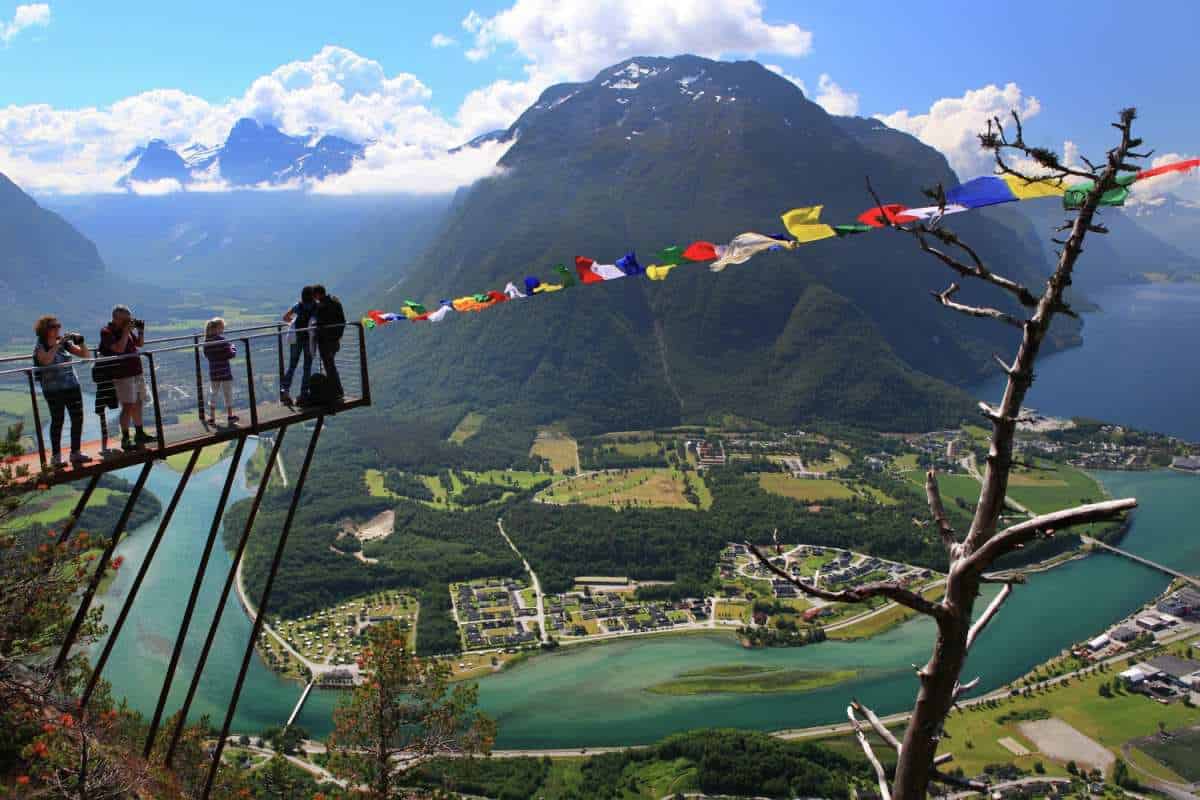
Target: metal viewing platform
177	415
175	373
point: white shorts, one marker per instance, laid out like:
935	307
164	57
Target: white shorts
131	391
224	388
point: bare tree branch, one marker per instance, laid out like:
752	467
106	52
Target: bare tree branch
938	510
1008	539
879	727
856	594
987	615
944	298
977	270
884	791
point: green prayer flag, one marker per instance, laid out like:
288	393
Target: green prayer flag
481	298
671	256
415	306
568	278
1076	196
850	230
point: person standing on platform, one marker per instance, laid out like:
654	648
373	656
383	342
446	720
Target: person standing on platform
219	351
301	343
122	337
331	322
60	387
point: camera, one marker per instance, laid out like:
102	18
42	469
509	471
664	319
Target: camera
140	324
75	338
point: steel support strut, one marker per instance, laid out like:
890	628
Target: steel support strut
262	609
73	520
191	604
229	579
89	594
137	581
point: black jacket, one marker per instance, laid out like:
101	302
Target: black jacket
330	319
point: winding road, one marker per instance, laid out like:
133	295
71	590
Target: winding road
533	579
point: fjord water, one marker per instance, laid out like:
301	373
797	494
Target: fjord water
594	696
1137	365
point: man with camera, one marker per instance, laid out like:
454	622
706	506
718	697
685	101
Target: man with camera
121	339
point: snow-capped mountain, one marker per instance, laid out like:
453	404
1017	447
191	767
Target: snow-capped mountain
1172	219
252	154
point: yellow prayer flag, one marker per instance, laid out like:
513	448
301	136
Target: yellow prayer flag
804	224
408	312
657	273
547	287
1028	190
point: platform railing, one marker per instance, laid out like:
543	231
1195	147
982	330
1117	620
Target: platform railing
179	395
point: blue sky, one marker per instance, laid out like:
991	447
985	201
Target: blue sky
1081	65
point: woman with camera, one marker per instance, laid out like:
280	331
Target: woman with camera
122	337
52	354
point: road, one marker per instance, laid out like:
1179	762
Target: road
533	579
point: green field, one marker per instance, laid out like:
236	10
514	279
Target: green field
558	448
804	489
53	506
756	681
639	449
208	456
1111	721
1060	486
512	480
1178	751
884	620
467	427
647	487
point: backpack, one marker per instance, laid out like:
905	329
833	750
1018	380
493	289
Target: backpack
321	390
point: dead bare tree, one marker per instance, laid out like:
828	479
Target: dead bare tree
974	555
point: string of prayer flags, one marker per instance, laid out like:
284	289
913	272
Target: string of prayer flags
803	225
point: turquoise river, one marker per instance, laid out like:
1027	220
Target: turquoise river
594	696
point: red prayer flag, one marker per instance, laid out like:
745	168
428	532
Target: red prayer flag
700	251
497	297
1178	166
891	213
583	268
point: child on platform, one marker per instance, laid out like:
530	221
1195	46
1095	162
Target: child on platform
219	352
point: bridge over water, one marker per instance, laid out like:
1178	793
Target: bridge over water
1145	561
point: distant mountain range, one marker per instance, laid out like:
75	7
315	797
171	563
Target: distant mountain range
659	151
253	154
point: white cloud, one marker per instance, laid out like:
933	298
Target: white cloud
778	70
395	166
337	91
953	124
575	40
442	40
155	188
578	39
834	99
26	16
